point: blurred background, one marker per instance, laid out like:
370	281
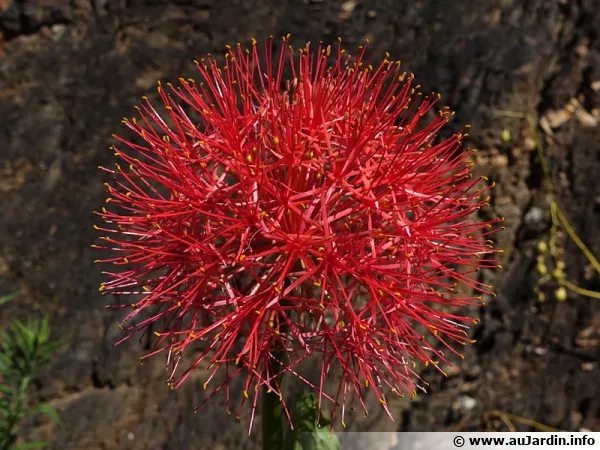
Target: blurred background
71	69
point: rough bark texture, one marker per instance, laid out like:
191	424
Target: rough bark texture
69	70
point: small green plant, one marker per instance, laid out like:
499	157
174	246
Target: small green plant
25	349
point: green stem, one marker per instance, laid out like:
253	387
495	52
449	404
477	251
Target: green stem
273	429
578	290
571	232
16	412
272	408
272	421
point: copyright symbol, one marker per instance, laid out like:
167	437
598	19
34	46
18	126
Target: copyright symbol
459	441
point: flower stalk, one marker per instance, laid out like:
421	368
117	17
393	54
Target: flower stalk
272	409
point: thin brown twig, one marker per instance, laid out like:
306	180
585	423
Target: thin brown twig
508	419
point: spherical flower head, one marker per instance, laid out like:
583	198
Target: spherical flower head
280	210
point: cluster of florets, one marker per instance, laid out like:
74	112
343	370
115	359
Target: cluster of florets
277	220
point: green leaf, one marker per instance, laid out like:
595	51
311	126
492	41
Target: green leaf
28	445
306	412
44	331
47	410
307	434
5	363
324	440
52	346
24	336
4	407
7	298
321	439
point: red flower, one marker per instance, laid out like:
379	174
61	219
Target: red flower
318	215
